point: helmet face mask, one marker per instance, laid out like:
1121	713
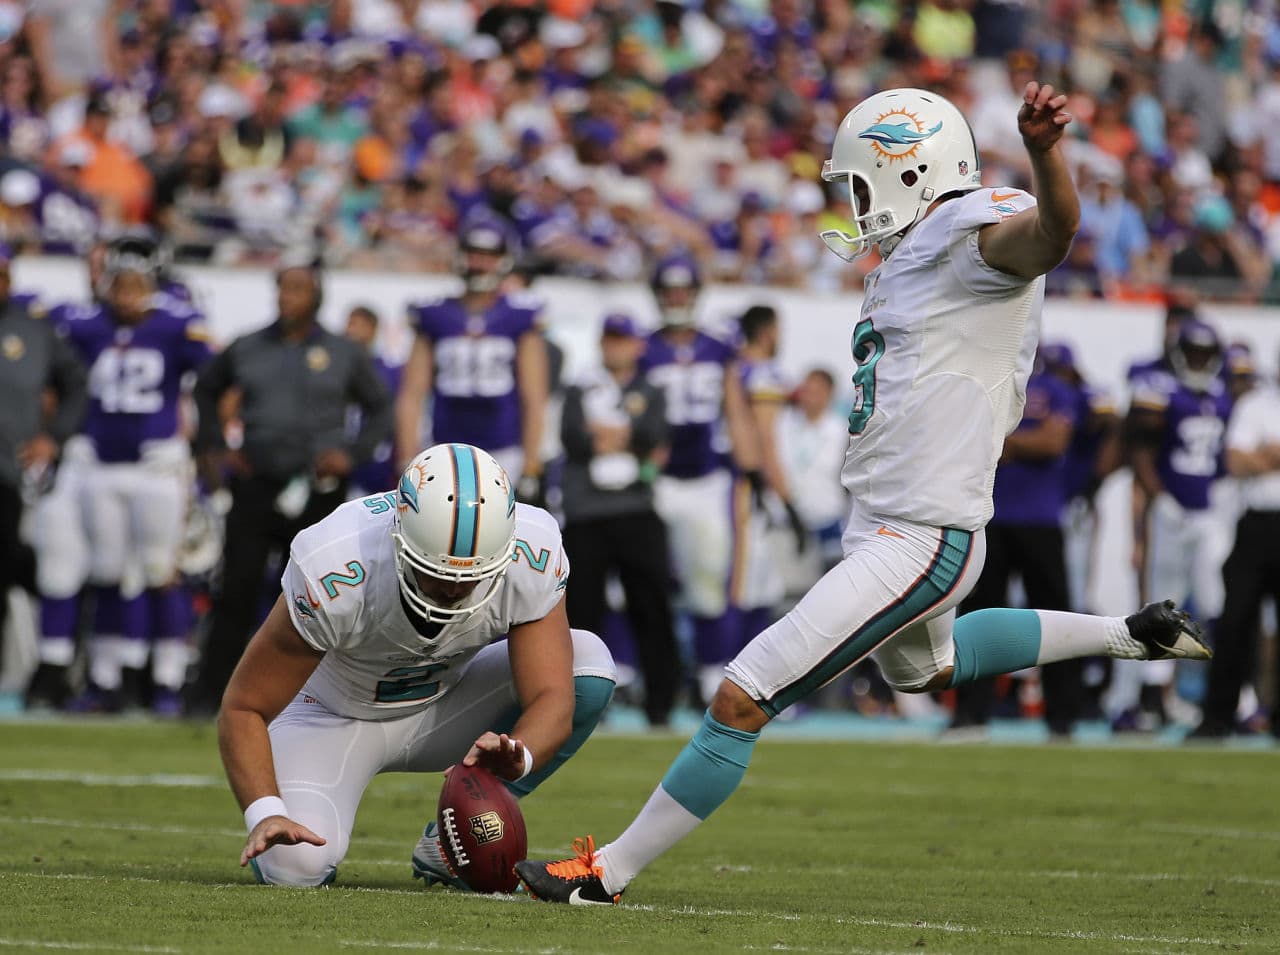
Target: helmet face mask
902	150
1196	357
137	259
454	523
676	283
484	257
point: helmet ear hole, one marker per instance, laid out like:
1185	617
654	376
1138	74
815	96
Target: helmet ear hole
909	178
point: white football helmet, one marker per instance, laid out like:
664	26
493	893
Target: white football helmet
907	147
456	521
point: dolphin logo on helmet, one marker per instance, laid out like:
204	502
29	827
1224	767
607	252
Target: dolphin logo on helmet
897	134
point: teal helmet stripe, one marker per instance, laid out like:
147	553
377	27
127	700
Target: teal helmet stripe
466	502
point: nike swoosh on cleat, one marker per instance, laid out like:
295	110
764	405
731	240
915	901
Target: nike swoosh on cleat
996	197
575	898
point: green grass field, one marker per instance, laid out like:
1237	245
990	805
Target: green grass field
122	837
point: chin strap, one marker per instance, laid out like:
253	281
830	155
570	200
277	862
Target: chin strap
888	245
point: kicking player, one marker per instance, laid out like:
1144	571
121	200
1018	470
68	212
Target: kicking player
943	350
417	628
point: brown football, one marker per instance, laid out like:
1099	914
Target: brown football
481	829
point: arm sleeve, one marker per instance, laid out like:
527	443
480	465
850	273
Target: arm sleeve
67	376
973	211
308	608
366	389
650	429
540	591
218	375
573	426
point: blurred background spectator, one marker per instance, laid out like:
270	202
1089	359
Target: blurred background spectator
613	133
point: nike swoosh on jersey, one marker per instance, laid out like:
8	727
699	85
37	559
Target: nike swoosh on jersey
997	197
885	532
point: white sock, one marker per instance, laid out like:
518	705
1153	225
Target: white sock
661	824
1065	636
104	662
169	663
57	651
132	653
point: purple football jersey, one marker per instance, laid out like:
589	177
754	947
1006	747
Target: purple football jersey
1191	450
1035	492
135	373
692	380
474	394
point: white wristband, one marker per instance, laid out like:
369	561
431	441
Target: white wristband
528	763
263	807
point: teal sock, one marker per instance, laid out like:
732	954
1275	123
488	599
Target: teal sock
989	642
591	694
709	768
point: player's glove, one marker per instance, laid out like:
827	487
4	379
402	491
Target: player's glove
532	489
797	527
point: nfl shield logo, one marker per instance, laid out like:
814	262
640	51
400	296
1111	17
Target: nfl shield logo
964	167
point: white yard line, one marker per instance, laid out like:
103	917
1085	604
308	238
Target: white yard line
168	830
780	947
103	779
954	927
431	945
89	946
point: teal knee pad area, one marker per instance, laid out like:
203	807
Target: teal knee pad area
591	694
990	642
709	768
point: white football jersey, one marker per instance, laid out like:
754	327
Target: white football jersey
344	599
943	350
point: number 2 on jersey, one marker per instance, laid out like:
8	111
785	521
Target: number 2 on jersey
868	347
410	684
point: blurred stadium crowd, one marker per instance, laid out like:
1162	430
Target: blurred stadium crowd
675	143
611	131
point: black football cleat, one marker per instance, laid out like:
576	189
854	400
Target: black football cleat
576	881
1168	633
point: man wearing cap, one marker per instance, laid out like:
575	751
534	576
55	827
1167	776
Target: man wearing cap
614	431
33	360
1252	572
296	382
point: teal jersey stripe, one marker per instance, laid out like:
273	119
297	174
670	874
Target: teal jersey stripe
466	504
929	589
